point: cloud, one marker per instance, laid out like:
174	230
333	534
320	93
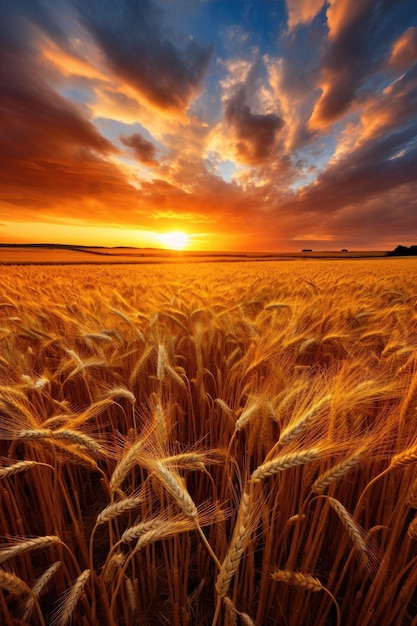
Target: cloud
293	77
53	158
85	89
254	134
302	11
404	49
141	50
391	111
359	35
371	170
250	128
144	150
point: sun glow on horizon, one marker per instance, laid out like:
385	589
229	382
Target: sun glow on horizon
174	240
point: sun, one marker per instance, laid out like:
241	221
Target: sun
174	240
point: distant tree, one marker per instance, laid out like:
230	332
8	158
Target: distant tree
403	251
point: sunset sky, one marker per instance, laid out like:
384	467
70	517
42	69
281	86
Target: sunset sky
252	125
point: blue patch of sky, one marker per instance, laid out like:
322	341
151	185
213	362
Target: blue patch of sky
236	29
227	169
261	20
76	94
314	159
112	129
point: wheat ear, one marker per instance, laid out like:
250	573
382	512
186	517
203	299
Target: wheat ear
334	473
305	581
39	586
412	529
237	546
126	464
133	533
230	564
404	458
64	612
20	466
116	562
173	484
9	551
118	508
354	530
298	579
131	596
284	462
292	431
14	585
65	434
17	587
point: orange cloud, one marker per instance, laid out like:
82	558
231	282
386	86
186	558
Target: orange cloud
69	64
165	73
404	49
343	14
302	11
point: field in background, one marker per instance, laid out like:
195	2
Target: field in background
209	444
24	255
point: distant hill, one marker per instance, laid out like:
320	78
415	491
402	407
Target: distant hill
403	251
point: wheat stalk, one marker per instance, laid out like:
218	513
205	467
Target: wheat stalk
231	610
412	495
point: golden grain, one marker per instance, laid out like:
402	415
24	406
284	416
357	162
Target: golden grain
299	579
284	462
66	608
227	397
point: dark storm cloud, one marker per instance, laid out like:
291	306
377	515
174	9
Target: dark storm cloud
359	41
254	134
140	49
144	150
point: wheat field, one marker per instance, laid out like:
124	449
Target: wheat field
209	444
